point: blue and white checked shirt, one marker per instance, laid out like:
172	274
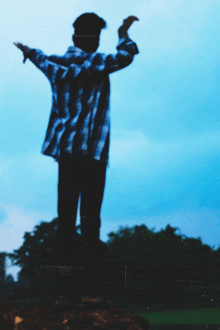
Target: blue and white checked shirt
79	122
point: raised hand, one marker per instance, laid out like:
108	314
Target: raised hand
24	49
127	22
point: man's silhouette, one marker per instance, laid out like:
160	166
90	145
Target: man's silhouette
79	126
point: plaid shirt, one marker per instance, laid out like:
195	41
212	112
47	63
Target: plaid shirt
79	122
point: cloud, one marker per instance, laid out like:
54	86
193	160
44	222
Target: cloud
134	147
128	144
153	177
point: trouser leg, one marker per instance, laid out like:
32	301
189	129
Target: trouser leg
85	177
92	190
68	196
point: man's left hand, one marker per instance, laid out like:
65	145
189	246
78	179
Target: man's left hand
123	29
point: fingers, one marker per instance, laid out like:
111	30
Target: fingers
20	46
17	44
132	18
129	21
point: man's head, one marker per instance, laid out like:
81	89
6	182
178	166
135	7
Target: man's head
88	27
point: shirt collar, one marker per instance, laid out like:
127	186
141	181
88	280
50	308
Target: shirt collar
74	49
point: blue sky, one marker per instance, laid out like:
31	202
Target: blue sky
165	137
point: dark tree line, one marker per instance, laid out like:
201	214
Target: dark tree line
137	260
2	265
164	259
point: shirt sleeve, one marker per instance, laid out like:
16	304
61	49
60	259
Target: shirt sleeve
111	63
51	70
106	64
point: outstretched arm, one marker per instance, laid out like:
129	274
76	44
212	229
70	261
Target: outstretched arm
37	57
41	61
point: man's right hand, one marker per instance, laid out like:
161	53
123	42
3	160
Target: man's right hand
127	22
24	49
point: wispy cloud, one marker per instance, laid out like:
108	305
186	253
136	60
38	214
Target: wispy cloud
158	177
134	147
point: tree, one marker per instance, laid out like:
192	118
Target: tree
2	265
162	259
38	249
39	252
155	261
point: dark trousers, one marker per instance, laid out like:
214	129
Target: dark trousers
85	178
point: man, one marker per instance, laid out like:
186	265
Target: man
78	131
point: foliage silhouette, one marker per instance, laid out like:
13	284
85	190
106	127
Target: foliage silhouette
2	265
163	261
158	263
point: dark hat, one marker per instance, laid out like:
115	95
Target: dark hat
89	24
